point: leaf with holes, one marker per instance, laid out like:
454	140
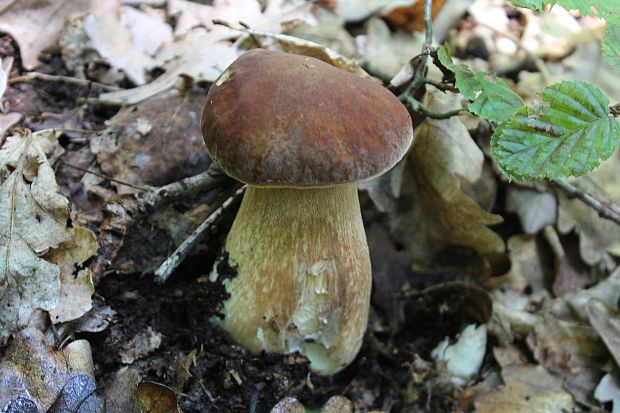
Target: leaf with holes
491	98
33	222
568	134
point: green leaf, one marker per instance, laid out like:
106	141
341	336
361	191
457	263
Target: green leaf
604	9
611	45
569	133
529	4
491	98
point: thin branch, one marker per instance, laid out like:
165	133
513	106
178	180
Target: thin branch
419	72
172	262
417	106
121	211
103	176
605	210
57	78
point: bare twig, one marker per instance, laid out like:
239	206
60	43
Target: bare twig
173	261
605	210
109	178
420	71
57	78
417	106
122	210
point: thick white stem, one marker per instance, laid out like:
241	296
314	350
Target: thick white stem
303	274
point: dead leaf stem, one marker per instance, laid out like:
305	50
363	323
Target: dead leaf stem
605	209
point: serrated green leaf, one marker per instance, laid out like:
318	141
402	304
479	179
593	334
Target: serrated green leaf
611	45
568	134
604	9
528	4
491	98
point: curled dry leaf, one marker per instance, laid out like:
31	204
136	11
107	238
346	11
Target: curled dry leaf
35	25
33	369
427	207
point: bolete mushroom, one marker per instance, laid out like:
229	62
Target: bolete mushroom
300	133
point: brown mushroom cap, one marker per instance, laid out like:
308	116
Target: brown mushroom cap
277	119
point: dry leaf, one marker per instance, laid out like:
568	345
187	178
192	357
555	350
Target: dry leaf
288	405
412	18
386	52
128	395
275	15
33	221
606	291
32	368
464	357
425	201
141	345
76	285
608	391
5	71
357	10
200	56
606	320
127	40
337	404
597	236
528	389
535	209
35	25
147	144
328	31
78	396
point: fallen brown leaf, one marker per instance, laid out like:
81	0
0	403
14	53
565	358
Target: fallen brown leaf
35	25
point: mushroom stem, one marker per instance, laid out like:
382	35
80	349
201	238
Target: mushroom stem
303	274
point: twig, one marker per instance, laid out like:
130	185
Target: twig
109	178
419	72
173	261
124	209
417	106
57	78
605	210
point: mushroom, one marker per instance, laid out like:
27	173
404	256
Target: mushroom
300	133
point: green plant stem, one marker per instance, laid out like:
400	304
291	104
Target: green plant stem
605	210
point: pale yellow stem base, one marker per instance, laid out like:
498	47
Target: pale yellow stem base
304	275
